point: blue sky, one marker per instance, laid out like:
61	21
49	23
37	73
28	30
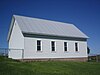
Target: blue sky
85	14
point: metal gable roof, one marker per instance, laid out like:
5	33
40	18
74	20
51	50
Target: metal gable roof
47	27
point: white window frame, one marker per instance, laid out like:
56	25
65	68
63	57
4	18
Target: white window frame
51	45
77	47
64	46
40	45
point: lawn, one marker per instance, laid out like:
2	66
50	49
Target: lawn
11	67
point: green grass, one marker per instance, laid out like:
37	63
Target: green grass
11	67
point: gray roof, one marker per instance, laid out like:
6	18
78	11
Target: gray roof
47	27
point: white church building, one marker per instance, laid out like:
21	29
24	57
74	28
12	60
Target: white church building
33	38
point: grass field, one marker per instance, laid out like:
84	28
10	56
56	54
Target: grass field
11	67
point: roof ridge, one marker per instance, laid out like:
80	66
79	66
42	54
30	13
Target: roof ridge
43	19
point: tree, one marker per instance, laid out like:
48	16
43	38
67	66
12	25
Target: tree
88	50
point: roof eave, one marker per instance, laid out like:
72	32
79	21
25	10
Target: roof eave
10	29
54	35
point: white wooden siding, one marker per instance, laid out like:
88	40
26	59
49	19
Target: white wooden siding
31	50
16	41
